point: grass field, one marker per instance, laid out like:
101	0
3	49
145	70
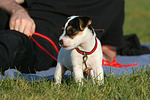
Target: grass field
130	87
137	19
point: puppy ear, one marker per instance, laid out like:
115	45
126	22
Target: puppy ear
84	22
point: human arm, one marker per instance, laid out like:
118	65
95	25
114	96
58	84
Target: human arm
20	19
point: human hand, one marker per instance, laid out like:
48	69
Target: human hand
19	1
22	22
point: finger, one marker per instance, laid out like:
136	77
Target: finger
22	26
27	30
11	25
17	24
32	29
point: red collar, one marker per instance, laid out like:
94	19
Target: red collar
88	53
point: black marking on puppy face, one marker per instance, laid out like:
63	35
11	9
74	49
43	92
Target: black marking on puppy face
84	22
76	26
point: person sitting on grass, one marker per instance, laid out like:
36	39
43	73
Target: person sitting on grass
19	19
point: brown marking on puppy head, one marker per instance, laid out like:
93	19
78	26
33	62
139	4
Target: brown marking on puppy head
76	26
78	33
69	27
72	31
84	22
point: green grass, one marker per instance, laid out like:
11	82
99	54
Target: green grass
137	19
130	87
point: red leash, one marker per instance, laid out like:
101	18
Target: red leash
116	64
104	62
48	39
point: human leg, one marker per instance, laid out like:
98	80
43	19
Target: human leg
109	52
16	51
113	37
4	18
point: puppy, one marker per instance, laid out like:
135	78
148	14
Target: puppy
80	51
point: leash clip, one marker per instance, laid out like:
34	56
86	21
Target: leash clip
85	57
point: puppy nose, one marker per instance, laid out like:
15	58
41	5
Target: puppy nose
61	42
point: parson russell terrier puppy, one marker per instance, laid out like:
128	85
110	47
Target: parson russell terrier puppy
81	51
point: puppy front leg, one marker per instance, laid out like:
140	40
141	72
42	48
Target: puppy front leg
98	74
92	76
58	73
78	74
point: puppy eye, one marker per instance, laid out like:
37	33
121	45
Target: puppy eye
71	32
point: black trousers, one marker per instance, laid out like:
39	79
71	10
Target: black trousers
20	52
16	50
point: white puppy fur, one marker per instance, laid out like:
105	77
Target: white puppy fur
69	58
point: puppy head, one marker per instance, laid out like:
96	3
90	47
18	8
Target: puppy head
73	31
